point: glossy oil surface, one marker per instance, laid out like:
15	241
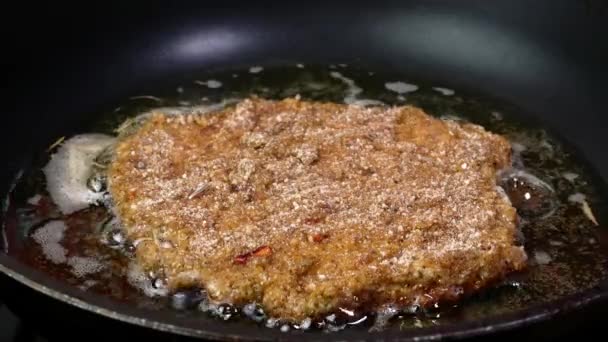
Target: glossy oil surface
564	244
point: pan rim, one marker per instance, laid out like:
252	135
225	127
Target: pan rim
107	307
120	311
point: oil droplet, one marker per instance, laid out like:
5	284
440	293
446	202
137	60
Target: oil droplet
401	87
542	257
255	69
531	196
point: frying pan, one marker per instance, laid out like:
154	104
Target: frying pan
547	57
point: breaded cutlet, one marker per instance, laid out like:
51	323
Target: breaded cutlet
305	207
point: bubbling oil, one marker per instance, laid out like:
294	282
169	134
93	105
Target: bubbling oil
558	200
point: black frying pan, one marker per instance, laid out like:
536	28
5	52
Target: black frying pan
546	57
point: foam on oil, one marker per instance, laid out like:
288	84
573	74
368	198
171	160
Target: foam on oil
81	243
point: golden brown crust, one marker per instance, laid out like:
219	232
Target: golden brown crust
304	206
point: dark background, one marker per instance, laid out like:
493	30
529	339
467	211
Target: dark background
547	57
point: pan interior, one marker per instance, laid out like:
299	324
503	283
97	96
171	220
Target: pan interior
565	244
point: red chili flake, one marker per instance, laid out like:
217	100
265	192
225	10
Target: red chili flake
319	237
258	252
262	251
242	259
131	195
